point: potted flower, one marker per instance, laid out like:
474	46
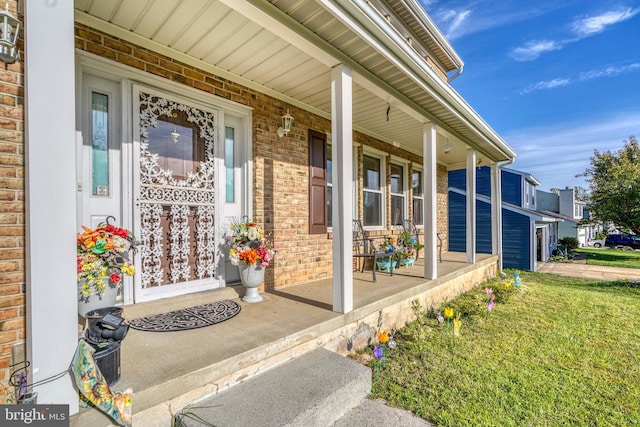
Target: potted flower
252	253
408	247
103	259
387	246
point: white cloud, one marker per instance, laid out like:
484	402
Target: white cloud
533	49
591	25
556	154
609	72
549	84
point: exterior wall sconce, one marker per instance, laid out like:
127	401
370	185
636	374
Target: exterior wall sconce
287	121
9	27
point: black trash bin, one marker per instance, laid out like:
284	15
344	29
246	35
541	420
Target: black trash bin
108	360
105	337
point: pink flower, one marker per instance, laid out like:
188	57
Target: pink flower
115	278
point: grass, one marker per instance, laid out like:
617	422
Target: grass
612	257
564	351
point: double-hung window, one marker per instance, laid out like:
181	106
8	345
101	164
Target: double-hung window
372	196
398	199
418	197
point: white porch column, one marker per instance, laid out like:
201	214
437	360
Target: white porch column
50	195
341	151
471	206
429	184
496	213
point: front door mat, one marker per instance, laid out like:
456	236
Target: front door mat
188	318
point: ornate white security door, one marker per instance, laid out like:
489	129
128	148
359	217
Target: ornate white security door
175	196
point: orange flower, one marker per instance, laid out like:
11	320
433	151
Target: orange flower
383	337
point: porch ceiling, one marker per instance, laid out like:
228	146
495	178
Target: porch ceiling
287	48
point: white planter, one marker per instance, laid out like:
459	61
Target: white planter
251	276
87	303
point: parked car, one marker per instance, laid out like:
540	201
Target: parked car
615	240
596	243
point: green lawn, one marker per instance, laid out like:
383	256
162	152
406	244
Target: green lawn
560	351
612	257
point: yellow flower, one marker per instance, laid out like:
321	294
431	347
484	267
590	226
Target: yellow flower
507	285
383	337
128	269
448	312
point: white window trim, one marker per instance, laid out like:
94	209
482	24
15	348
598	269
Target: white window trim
382	156
415	168
405	192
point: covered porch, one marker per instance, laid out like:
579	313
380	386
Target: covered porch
169	370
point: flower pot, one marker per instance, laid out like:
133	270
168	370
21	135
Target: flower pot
87	303
384	265
251	276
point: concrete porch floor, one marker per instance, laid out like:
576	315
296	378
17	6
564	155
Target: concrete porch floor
168	370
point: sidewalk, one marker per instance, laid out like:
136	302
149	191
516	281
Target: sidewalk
579	268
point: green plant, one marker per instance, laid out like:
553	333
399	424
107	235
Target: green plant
571	243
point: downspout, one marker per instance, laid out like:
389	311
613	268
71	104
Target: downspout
499	242
452	78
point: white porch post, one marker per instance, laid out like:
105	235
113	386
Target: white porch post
496	213
50	195
471	206
341	150
430	178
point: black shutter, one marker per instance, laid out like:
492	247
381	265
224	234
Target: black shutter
317	182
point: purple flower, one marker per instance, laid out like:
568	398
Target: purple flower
378	352
491	304
488	290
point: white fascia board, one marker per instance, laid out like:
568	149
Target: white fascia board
377	31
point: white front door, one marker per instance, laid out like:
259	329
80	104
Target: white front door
99	154
175	146
99	157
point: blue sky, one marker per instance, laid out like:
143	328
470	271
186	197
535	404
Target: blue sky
556	79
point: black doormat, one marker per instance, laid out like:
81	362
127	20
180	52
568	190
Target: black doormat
188	318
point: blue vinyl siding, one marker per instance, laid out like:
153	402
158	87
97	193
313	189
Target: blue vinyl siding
458	179
483	227
458	224
511	188
516	239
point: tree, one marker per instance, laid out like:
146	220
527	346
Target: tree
614	181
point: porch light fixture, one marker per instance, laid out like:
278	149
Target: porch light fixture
447	148
287	121
9	27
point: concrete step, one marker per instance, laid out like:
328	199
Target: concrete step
314	389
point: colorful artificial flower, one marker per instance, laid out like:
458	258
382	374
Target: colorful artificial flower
448	312
383	337
103	252
248	244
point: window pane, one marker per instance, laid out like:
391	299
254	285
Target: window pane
418	218
397	179
371	167
397	210
372	208
229	164
416	183
176	143
99	144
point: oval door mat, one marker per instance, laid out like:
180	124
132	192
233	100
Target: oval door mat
188	318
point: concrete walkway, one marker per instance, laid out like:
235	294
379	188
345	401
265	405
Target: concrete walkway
579	268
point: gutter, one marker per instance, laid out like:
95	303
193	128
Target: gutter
441	92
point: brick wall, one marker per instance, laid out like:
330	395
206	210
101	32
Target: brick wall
12	273
281	180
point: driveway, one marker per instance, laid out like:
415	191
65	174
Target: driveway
579	268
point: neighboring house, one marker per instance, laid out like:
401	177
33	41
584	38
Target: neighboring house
528	235
167	118
565	206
